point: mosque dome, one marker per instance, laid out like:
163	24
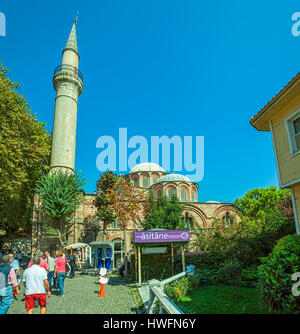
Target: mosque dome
174	178
147	167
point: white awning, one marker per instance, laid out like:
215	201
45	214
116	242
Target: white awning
78	245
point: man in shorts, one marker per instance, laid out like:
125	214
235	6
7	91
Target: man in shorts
36	284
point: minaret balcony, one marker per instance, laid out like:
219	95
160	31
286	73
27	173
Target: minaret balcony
67	76
70	70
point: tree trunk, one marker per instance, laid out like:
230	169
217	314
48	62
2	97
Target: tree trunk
104	233
125	252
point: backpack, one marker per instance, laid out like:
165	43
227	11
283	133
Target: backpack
72	259
4	273
67	266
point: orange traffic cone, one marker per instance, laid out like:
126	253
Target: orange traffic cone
101	292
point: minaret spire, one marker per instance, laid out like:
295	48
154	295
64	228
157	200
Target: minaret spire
72	40
68	83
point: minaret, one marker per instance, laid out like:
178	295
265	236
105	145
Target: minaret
68	83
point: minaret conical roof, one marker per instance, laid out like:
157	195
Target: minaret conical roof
72	40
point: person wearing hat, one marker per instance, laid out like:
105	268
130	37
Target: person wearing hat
8	280
43	262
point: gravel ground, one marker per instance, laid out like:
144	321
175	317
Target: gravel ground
81	297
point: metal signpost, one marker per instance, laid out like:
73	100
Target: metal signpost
159	237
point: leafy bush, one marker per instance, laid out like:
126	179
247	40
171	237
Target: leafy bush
153	266
204	260
267	216
230	272
178	289
203	276
275	272
249	276
160	266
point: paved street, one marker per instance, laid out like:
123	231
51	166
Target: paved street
81	297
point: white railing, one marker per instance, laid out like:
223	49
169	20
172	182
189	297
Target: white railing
159	302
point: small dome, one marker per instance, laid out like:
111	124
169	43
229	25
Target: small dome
174	178
147	167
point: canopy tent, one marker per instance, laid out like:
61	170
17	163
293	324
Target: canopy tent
159	237
77	245
82	247
103	252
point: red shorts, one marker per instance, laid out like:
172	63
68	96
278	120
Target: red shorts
39	297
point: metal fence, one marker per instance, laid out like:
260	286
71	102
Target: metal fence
159	302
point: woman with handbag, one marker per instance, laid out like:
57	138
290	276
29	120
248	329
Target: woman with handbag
60	271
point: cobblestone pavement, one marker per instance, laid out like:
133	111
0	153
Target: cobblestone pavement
81	297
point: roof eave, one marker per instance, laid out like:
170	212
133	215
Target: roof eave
261	120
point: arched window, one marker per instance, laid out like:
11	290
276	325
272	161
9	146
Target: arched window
145	181
183	194
171	193
154	179
226	219
115	225
159	193
135	182
193	195
188	222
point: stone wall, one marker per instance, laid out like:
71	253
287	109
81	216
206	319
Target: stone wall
16	245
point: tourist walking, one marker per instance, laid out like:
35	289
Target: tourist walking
78	261
60	271
14	263
51	264
8	280
127	263
55	280
36	285
72	262
43	262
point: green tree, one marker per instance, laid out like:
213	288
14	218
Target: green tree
163	213
104	211
60	194
267	210
259	203
24	156
126	201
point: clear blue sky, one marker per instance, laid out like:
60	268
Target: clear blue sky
171	67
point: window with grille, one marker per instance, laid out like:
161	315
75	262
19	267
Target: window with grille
171	193
193	196
293	129
135	182
115	225
145	182
296	126
183	194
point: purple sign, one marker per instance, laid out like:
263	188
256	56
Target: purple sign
161	236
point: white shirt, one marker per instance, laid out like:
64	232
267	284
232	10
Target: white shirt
34	278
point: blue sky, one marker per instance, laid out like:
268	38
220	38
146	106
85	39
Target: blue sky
171	67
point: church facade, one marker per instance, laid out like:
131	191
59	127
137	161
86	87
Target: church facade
68	83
